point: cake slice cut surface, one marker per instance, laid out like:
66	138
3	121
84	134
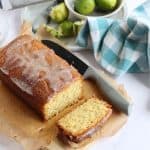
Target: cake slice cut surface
84	121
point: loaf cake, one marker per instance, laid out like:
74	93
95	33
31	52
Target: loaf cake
81	124
40	77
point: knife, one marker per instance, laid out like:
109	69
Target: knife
118	100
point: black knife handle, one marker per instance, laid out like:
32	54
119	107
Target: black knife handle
67	55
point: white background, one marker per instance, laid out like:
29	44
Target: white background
135	135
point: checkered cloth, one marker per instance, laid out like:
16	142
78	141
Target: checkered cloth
120	46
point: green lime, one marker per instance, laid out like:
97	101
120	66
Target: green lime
77	26
84	7
106	5
65	29
52	31
59	13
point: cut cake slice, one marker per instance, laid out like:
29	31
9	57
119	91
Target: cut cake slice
84	121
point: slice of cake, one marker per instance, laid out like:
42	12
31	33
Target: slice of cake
40	77
84	121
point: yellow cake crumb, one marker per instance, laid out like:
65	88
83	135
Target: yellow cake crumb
85	116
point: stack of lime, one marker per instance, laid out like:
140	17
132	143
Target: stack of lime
86	7
64	27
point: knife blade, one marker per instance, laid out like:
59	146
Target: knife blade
118	100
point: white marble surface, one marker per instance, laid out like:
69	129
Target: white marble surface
136	133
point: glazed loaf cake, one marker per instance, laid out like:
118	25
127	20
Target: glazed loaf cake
81	124
40	77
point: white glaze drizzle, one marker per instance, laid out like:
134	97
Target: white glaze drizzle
32	62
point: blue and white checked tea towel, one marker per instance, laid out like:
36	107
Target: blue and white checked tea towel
120	46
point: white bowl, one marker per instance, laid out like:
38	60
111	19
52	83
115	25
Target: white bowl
70	6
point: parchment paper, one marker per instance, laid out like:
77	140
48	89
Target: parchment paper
20	122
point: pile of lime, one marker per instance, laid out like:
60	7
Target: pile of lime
64	27
87	7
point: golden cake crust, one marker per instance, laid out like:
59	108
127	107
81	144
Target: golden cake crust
35	70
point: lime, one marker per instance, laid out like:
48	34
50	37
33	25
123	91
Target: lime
65	29
52	31
106	5
84	7
59	13
77	26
